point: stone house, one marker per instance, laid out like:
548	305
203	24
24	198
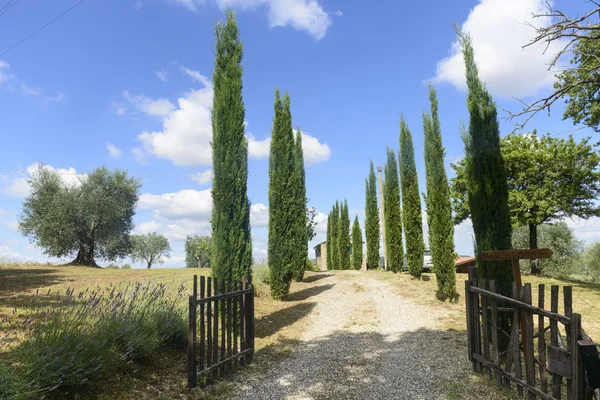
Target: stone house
321	256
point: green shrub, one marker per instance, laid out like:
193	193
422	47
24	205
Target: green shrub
126	266
260	273
592	261
111	266
12	385
93	333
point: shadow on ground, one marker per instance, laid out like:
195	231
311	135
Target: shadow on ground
316	277
369	365
16	280
308	292
272	323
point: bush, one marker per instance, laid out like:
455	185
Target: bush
126	266
310	266
592	261
111	266
94	333
260	273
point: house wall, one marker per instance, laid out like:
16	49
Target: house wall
322	257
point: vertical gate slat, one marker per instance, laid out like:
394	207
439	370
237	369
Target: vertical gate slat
517	347
192	367
528	343
495	353
209	319
476	321
251	321
542	340
568	304
216	330
223	325
202	328
485	326
229	346
576	363
236	303
556	379
242	323
469	313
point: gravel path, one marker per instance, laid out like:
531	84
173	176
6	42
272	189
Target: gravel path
364	342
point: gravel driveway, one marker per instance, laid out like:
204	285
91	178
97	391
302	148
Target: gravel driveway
363	342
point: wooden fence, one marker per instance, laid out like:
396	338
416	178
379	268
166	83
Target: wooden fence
540	354
221	329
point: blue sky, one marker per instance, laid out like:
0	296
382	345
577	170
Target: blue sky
127	84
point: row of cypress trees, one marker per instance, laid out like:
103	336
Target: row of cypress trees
338	238
288	233
372	220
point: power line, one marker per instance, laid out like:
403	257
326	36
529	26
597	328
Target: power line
569	131
8	6
42	28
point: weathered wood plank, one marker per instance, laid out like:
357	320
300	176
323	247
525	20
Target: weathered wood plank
536	310
576	364
229	332
469	313
556	378
202	327
243	347
250	318
224	317
542	340
568	304
216	330
526	254
236	325
485	326
528	342
209	319
559	361
517	357
495	345
514	338
193	318
476	328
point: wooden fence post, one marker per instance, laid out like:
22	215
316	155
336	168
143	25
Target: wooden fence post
469	306
495	352
577	391
192	368
202	327
215	353
542	340
568	304
485	325
476	321
528	342
556	379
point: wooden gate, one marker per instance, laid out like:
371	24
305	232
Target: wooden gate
542	359
221	329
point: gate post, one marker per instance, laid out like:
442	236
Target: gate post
192	368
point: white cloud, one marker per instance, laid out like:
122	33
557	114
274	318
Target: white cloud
113	151
258	148
203	177
187	131
498	30
19	187
338	13
196	76
157	108
163	75
303	15
147	227
118	108
179	205
15	84
314	151
259	215
586	230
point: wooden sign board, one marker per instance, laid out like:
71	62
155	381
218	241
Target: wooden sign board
529	254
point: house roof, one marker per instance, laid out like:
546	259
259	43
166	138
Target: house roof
318	244
464	260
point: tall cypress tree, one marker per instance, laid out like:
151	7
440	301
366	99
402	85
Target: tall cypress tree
487	186
335	228
437	202
232	242
328	248
300	213
393	214
283	247
344	237
357	245
411	202
372	220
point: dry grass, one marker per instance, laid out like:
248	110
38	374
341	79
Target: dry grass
278	324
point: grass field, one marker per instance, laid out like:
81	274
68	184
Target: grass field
278	324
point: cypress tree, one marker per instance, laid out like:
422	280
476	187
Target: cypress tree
300	211
335	228
328	248
487	186
357	244
411	202
232	242
344	237
437	202
393	214
283	247
372	220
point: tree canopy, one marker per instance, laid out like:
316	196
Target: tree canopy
549	179
92	219
232	241
372	232
357	245
393	214
198	251
151	248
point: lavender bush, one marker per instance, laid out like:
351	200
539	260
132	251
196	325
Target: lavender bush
82	336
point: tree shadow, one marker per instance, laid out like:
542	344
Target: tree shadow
316	277
358	365
16	280
272	323
308	292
